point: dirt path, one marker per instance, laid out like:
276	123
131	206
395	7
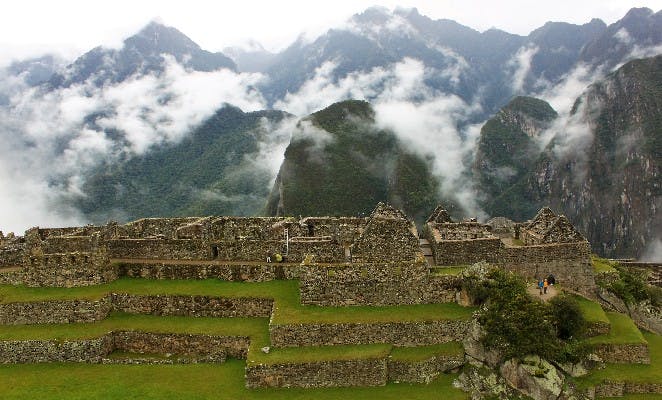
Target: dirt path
532	289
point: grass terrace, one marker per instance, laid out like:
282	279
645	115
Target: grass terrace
602	264
592	311
638	373
195	381
288	308
622	331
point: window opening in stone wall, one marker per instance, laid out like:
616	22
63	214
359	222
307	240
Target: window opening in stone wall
214	251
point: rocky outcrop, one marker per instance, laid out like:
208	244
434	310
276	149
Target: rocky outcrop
534	377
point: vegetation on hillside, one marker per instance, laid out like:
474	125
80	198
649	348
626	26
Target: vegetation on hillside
352	169
207	173
516	325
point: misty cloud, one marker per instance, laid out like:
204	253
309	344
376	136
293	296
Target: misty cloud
521	65
49	141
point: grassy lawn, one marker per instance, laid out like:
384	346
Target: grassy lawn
631	372
421	353
195	382
622	331
602	264
591	310
636	397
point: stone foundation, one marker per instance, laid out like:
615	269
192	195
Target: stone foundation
181	269
396	333
55	312
199	348
192	306
368	372
623	353
423	371
76	311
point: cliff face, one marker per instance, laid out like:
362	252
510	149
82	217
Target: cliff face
601	167
607	179
506	153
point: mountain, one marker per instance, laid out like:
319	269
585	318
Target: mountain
638	30
250	58
212	171
141	54
339	163
459	60
601	168
506	153
610	187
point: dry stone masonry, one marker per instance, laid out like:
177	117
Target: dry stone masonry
338	261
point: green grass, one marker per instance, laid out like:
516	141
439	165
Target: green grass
195	382
320	353
285	293
591	310
622	331
636	397
640	373
293	313
602	264
421	353
208	287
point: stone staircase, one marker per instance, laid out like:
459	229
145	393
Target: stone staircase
427	251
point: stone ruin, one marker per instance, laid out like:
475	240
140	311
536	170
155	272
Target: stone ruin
237	248
338	261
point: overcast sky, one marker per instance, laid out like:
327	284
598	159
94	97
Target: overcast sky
73	26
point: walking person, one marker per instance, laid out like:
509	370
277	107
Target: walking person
545	285
540	285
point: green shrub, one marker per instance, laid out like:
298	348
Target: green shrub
517	325
569	320
631	286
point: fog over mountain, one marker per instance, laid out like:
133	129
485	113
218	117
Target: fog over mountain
82	141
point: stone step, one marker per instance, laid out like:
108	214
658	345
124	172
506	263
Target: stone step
430	260
426	251
423	242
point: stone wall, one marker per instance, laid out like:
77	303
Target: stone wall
69	244
456	252
40	351
226	272
367	372
202	348
570	263
54	312
619	389
366	284
168	249
68	269
75	311
11	256
441	289
11	276
623	353
192	306
422	371
416	333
